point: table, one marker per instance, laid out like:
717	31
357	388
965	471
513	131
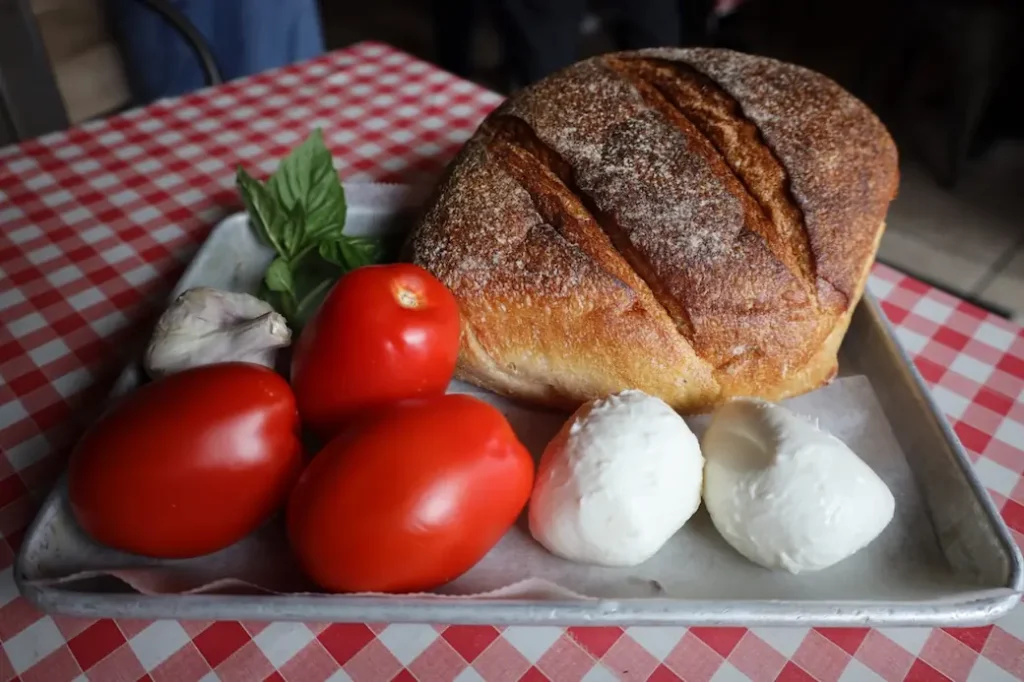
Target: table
97	223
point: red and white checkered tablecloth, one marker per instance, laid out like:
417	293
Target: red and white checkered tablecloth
97	223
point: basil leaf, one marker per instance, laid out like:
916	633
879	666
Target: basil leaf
312	299
313	278
306	178
293	231
279	276
263	209
300	212
278	300
333	252
352	252
370	249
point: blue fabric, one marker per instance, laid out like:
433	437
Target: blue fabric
245	37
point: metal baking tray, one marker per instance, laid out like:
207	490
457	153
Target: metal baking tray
961	569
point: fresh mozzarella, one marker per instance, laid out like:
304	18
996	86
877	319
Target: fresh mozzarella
786	494
619	479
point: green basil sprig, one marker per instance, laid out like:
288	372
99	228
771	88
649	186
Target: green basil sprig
300	213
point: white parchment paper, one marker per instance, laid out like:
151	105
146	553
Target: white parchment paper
695	564
905	562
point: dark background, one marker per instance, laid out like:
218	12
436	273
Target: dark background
945	76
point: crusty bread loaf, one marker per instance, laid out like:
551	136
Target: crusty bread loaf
698	224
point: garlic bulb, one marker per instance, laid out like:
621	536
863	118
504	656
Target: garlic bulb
204	326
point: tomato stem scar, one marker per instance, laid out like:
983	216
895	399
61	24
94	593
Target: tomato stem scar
406	298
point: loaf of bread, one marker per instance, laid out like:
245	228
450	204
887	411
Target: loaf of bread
695	223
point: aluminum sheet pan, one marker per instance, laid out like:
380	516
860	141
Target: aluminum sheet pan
963	569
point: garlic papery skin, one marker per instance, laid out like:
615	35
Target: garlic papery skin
205	326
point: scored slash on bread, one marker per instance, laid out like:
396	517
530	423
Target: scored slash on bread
698	224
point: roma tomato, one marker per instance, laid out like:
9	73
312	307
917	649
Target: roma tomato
384	333
410	499
188	464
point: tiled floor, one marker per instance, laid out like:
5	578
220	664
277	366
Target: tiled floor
969	240
1007	288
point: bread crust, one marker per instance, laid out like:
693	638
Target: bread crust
697	223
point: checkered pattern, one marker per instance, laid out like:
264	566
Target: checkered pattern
95	227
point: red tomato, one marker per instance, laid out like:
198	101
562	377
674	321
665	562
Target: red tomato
384	333
411	499
188	464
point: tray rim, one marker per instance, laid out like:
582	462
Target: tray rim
969	608
1015	576
986	607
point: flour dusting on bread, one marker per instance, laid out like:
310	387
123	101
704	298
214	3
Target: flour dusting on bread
621	224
